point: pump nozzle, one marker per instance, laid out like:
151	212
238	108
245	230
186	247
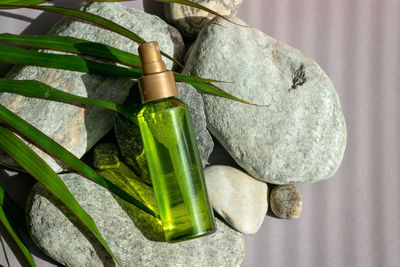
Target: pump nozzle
156	82
151	58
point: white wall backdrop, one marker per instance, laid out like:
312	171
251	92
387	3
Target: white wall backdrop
353	219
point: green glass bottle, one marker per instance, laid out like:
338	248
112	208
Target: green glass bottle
172	154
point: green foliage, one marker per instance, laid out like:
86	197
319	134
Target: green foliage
36	167
7	205
73	45
30	161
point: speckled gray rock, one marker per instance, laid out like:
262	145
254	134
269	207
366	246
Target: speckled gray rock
301	137
52	230
286	201
130	140
76	127
190	20
241	200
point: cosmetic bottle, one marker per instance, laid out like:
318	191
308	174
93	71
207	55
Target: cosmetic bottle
172	153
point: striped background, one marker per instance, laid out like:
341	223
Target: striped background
352	219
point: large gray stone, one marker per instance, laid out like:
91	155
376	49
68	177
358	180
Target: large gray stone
190	20
61	237
77	127
301	137
130	140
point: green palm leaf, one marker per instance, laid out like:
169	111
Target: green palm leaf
72	45
50	146
99	21
83	47
32	88
17	55
34	165
11	4
6	203
22	2
74	63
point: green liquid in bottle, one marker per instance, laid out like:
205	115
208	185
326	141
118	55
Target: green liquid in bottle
176	170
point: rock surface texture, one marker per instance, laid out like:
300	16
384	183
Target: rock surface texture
286	201
190	20
57	234
130	140
301	137
76	127
241	200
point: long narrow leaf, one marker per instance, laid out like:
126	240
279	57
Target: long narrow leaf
37	89
196	5
11	4
13	211
74	63
89	17
50	146
99	21
72	45
67	62
22	2
83	47
25	252
34	165
4	251
185	78
211	89
7	225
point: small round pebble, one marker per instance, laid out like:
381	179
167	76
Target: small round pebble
285	201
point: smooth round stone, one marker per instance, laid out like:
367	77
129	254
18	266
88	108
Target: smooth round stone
286	201
190	20
301	137
240	199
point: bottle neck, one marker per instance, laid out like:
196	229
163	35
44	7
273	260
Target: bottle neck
157	86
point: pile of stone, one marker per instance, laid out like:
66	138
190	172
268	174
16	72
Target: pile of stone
299	138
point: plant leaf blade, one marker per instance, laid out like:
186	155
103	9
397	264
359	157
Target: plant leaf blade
101	22
36	89
12	4
7	225
67	62
95	19
50	146
72	45
74	63
34	165
83	47
212	89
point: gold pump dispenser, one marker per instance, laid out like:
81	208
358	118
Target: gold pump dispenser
156	82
